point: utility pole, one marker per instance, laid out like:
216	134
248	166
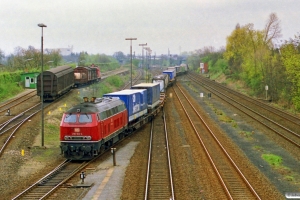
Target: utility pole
143	66
131	56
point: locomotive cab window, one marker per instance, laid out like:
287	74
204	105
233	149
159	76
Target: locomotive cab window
103	115
85	118
70	118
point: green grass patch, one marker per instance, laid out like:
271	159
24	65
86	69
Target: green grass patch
258	148
272	159
224	118
234	124
289	178
246	134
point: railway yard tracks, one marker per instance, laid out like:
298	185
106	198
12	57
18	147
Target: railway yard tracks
9	126
232	179
284	125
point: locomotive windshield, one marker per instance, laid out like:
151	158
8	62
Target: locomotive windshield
70	118
82	118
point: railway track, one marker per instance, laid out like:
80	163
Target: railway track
234	182
9	128
16	101
279	122
159	182
44	187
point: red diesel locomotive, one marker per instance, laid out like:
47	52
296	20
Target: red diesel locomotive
88	128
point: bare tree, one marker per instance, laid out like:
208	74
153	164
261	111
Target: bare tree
272	28
1	55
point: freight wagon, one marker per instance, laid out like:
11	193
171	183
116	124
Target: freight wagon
153	94
86	75
135	102
163	80
172	74
56	82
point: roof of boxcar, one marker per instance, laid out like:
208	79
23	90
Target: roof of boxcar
59	69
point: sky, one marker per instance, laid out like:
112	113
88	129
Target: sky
101	26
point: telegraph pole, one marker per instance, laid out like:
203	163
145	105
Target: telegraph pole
131	56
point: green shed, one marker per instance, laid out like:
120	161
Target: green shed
29	79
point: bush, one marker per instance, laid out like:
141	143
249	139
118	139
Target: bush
8	90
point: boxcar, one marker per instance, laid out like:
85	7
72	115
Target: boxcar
56	82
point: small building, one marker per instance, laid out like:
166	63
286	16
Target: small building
204	68
29	79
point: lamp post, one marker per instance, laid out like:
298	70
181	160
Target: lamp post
143	67
42	84
131	57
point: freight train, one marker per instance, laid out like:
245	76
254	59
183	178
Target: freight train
89	128
60	80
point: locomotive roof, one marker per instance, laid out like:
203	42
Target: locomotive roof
100	104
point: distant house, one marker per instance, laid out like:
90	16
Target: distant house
29	79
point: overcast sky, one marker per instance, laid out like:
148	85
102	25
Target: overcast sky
101	26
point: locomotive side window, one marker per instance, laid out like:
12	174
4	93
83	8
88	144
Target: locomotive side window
70	118
114	110
103	115
85	118
108	113
120	108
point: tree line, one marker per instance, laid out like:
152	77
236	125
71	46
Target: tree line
258	58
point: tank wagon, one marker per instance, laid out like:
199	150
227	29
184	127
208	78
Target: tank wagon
56	82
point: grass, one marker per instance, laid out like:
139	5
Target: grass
258	148
247	134
272	160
